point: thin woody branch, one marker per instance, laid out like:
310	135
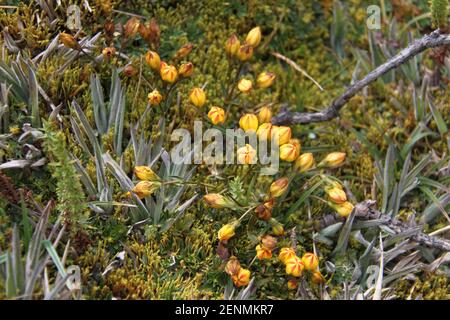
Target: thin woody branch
432	40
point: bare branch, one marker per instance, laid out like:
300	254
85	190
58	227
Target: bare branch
432	40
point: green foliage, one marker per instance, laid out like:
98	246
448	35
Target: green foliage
439	13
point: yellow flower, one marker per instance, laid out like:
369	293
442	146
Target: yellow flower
226	232
184	51
154	97
246	155
333	159
292	284
69	41
232	45
153	60
310	261
264	131
168	73
265	115
145	188
254	37
264	211
288	152
304	162
283	133
218	201
108	53
263	253
296	143
343	209
145	173
233	266
317	277
286	254
248	122
294	266
197	97
278	187
186	69
265	79
245	85
216	115
245	52
336	195
242	278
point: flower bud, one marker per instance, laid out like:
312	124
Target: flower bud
286	254
294	266
168	73
264	131
265	115
155	33
343	209
278	187
216	115
245	52
245	85
242	278
310	261
265	79
333	159
129	71
226	232
249	122
233	266
154	97
304	162
145	173
153	60
263	253
197	97
69	41
283	133
232	45
317	277
108	53
277	228
292	284
130	29
269	242
184	51
254	37
145	32
218	201
246	155
288	152
264	211
186	69
145	188
109	29
336	195
296	143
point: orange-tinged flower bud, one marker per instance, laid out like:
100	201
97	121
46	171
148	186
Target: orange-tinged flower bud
242	278
317	277
162	64
288	152
304	162
216	115
294	266
296	143
131	28
283	133
310	261
245	52
233	266
108	53
186	70
292	284
286	253
265	131
246	155
168	73
277	228
337	195
264	211
226	232
145	188
69	41
278	187
333	159
129	71
145	173
232	45
184	51
265	115
269	242
249	122
154	97
217	201
265	79
197	97
153	60
254	37
245	85
263	253
343	209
